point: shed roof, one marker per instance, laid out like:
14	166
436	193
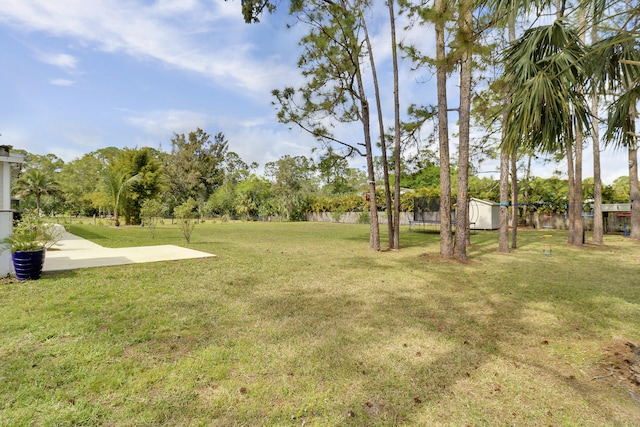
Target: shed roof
484	202
616	207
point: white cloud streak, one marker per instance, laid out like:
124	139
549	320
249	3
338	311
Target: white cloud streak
247	136
169	31
61	82
163	123
62	60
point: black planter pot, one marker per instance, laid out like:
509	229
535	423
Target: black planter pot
28	264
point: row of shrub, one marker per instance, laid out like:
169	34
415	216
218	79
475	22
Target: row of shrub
360	202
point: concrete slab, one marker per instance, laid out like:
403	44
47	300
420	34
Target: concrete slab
72	252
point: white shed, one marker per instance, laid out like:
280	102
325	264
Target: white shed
484	215
10	165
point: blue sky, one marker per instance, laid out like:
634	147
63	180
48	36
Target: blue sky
81	75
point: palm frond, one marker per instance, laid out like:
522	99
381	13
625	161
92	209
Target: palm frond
545	73
621	127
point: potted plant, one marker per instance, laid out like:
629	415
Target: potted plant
29	241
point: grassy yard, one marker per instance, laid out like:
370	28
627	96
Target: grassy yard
300	324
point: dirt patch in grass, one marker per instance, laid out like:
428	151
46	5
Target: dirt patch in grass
621	366
437	257
8	281
602	248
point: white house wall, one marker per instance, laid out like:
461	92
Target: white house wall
9	167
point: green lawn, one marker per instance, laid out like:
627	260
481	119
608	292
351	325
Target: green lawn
300	324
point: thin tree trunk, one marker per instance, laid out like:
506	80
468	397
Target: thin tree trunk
446	243
578	227
527	176
572	189
598	220
503	239
514	155
396	110
634	191
374	226
462	205
578	230
514	200
383	142
634	186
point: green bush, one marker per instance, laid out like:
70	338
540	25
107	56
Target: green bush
150	211
364	218
337	214
185	214
297	216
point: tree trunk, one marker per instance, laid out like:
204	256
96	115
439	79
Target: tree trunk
634	186
578	228
503	239
527	176
572	189
462	205
634	191
514	155
598	220
383	143
374	225
514	200
397	153
446	244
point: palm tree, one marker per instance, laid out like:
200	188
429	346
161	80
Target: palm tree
35	183
507	11
598	220
116	184
616	68
546	112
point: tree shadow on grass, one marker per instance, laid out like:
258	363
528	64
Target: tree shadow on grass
88	234
448	343
391	356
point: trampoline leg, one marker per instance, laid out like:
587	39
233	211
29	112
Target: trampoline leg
546	247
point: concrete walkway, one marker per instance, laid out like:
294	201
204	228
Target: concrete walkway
72	252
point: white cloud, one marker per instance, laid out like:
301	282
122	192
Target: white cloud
165	123
15	136
67	154
81	135
30	142
263	145
254	139
171	7
62	60
614	164
61	82
169	31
